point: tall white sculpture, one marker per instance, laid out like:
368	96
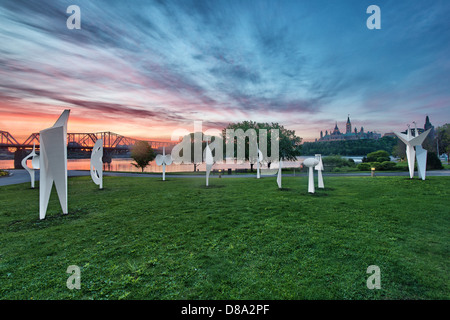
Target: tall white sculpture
34	164
279	174
163	160
319	169
258	164
209	162
421	156
97	163
411	142
310	163
53	164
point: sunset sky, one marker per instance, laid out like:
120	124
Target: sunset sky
145	68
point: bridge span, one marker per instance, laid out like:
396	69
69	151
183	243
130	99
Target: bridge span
83	141
113	143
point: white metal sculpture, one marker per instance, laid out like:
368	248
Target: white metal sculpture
209	162
34	164
53	164
319	169
163	160
310	163
258	164
411	142
279	174
421	156
97	163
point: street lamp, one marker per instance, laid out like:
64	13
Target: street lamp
373	171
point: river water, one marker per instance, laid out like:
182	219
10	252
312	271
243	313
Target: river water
125	164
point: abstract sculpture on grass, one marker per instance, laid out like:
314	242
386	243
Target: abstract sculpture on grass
163	160
279	174
97	163
310	163
53	164
34	164
319	169
258	163
421	156
411	142
209	160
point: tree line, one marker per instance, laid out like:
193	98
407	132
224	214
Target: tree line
290	145
358	147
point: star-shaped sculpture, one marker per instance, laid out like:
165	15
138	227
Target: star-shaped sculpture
411	142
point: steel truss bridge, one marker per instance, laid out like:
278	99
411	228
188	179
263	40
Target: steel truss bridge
112	142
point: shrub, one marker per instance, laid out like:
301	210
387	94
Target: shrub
3	173
433	162
387	165
364	166
373	156
383	159
375	165
338	161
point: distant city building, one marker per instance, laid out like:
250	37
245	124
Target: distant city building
389	134
336	135
426	126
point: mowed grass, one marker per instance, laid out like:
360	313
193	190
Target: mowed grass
241	238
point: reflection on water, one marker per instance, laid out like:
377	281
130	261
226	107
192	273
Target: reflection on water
125	164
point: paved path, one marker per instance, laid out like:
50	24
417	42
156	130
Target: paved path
22	176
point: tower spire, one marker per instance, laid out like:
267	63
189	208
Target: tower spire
348	126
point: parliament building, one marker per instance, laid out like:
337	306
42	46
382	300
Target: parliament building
336	134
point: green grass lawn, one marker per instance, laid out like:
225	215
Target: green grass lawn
243	238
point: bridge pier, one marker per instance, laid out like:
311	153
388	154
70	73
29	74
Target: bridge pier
107	156
18	157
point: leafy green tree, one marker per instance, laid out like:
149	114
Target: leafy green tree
349	147
399	150
192	137
443	139
289	142
142	153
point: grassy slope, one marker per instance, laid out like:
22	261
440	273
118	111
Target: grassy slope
142	238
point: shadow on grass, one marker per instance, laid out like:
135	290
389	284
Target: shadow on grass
49	221
318	194
213	186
